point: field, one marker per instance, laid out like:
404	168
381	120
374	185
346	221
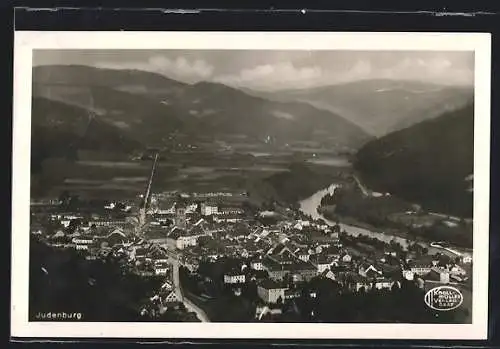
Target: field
204	167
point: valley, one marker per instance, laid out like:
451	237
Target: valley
312	190
381	106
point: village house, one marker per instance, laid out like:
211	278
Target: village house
139	253
420	268
161	268
270	291
303	255
158	255
227	210
167	286
360	283
329	274
353	281
440	275
163	219
82	243
408	274
170	298
92	256
45	202
467	259
181	239
59	238
322	238
156	235
108	223
209	208
116	237
275	270
346	258
65	222
110	206
383	284
191	207
300	224
302	271
256	264
292	294
166	209
192	263
368	270
36	231
321	262
457	270
234	277
227	218
424	262
261	311
280	265
333	251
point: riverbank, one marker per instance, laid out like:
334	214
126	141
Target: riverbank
352	221
355	228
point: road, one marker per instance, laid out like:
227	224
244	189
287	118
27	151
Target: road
148	190
143	209
363	189
172	256
174	261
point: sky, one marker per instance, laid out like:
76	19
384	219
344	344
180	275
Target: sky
277	70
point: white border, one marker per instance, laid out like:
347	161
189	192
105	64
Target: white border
26	42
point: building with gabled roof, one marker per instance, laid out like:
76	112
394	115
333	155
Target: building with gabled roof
209	208
116	237
271	291
171	297
368	270
161	268
321	261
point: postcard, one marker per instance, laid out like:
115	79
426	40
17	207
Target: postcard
255	185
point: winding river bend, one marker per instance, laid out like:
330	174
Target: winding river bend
310	205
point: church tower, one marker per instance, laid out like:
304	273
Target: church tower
180	214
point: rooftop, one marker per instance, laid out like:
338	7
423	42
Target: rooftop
269	284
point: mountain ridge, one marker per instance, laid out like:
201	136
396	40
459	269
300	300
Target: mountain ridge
380	106
426	163
215	108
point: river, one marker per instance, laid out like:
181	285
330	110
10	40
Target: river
310	205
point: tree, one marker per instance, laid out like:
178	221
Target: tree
64	197
73	224
120	206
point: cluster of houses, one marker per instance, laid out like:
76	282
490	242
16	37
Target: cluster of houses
161	301
180	208
289	252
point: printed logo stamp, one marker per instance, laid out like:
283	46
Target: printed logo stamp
443	298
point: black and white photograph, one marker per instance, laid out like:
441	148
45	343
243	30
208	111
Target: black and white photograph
177	185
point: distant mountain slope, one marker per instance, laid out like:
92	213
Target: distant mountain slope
381	106
60	130
140	116
427	163
228	110
151	106
126	80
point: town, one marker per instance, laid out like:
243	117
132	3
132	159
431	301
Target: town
213	249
